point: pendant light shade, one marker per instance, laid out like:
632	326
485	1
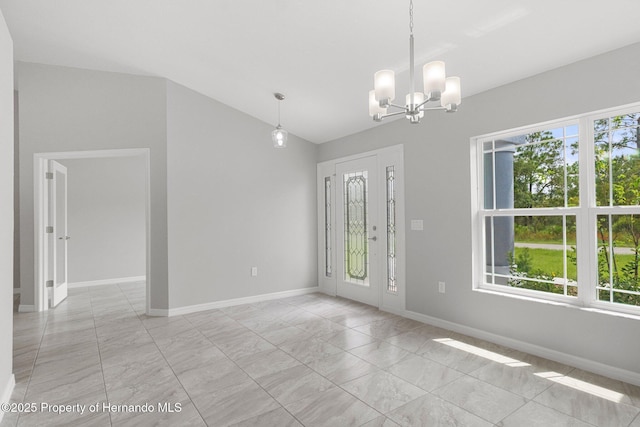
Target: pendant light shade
279	137
434	77
374	105
451	97
384	84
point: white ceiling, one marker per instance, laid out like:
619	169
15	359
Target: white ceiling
321	54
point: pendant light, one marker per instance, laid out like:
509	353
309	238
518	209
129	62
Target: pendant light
279	135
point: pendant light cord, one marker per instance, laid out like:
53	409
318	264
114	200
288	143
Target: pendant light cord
279	112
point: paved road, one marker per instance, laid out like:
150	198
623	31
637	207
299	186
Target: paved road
619	251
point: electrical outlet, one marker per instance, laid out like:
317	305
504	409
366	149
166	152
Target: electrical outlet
441	287
254	271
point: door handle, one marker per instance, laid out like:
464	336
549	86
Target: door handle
374	238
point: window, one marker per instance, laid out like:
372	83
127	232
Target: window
327	226
558	211
392	286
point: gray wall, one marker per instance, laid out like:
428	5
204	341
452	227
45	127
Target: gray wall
69	109
6	207
106	218
438	189
235	202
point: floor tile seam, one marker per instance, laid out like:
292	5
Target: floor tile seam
470	374
527	401
177	377
534	399
468	410
237	366
432	390
637	417
380	341
307	364
560	412
637	406
357	398
104	382
378	411
171	367
282	405
259	385
26	390
396	377
292	341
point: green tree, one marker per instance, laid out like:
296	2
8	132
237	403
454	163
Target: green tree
617	166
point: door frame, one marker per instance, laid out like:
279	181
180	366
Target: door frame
393	155
55	168
41	209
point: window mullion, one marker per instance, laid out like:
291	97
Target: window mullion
587	258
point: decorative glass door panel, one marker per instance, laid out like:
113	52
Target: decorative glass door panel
357	233
356	244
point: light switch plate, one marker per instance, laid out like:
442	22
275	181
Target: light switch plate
417	224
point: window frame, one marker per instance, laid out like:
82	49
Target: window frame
585	213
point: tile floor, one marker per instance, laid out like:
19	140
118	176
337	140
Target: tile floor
311	360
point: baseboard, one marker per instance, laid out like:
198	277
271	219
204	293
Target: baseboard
26	308
107	281
5	397
567	359
178	311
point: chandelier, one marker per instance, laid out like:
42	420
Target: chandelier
437	87
279	135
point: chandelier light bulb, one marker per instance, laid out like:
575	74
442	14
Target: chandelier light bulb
374	105
418	98
384	84
452	95
434	78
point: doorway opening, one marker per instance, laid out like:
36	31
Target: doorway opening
361	253
51	239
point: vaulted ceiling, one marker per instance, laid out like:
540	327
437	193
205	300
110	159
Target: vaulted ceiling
321	54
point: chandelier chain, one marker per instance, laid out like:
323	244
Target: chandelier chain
411	17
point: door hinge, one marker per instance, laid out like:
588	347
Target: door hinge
48	175
49	283
49	229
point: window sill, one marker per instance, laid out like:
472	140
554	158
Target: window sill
576	306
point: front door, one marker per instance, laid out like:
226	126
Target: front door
357	230
60	237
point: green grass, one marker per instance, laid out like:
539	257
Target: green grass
550	262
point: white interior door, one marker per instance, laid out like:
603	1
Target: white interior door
357	230
59	237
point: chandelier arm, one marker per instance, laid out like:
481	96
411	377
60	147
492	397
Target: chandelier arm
397	113
423	104
434	108
402	107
